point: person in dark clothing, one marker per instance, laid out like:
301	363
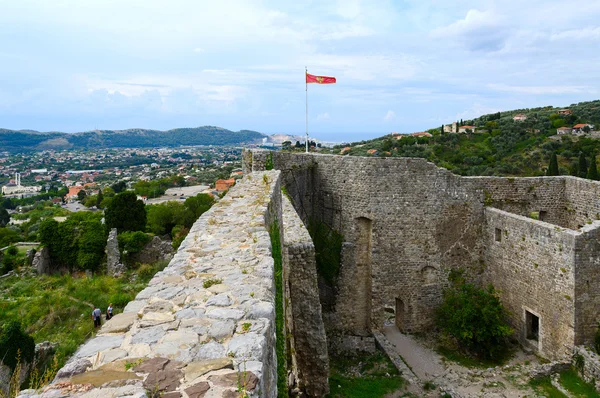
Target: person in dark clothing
96	315
109	312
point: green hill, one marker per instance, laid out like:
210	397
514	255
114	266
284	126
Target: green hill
27	140
499	145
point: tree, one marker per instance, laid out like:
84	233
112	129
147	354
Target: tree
586	129
119	187
476	318
99	199
582	168
91	245
196	206
298	144
13	340
126	213
286	145
553	166
4	217
593	171
161	218
81	195
442	129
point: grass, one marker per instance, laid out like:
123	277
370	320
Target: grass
455	355
369	376
280	342
54	308
571	381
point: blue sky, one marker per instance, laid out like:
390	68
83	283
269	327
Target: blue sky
76	65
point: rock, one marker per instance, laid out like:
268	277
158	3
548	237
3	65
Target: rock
152	365
41	261
114	266
262	309
73	368
181	337
155	250
221	329
148	335
99	377
156	318
220	300
135	306
100	343
245	380
113	355
29	255
211	350
226	313
248	345
119	323
158	306
198	390
197	369
165	380
189	313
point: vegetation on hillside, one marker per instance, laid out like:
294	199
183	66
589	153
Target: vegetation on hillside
499	145
20	141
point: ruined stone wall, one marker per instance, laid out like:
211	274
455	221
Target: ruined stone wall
206	323
526	195
582	201
532	266
308	343
587	287
405	223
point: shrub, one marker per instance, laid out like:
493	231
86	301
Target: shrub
132	242
14	340
475	318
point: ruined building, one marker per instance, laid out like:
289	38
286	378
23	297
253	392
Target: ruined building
209	319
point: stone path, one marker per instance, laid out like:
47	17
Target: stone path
425	363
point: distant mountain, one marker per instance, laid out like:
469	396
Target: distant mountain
29	140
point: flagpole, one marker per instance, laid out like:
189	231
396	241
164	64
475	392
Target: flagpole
306	86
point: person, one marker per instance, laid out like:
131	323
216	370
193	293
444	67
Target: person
109	312
96	314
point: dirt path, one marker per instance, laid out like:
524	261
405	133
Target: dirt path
81	302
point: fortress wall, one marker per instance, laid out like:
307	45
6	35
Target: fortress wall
183	335
532	266
587	287
308	343
582	201
405	223
525	195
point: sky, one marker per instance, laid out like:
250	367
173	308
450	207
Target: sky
79	65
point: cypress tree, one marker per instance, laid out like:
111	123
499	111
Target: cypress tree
100	198
593	171
582	169
442	130
553	166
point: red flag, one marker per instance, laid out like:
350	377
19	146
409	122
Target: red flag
319	79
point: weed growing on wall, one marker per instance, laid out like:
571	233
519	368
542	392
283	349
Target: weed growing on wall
282	389
269	161
328	250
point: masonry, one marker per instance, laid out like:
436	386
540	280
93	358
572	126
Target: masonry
206	324
407	223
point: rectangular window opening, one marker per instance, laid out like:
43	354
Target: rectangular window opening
498	235
542	216
532	323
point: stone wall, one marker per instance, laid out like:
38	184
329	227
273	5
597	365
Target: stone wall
405	223
304	321
525	195
591	365
582	200
587	287
532	266
206	323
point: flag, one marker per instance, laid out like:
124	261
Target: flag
319	79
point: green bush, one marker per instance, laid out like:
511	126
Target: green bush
328	250
475	318
14	340
132	242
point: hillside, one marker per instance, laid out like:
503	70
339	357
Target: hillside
498	145
27	140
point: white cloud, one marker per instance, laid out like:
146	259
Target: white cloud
323	116
577	34
198	50
538	90
390	115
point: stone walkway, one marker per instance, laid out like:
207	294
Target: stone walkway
425	363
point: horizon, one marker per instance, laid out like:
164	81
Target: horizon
400	66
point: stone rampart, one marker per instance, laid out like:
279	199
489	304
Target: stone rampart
588	366
308	343
587	287
205	325
532	265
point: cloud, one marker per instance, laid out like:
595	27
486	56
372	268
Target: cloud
483	31
577	34
198	50
323	116
538	90
390	115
